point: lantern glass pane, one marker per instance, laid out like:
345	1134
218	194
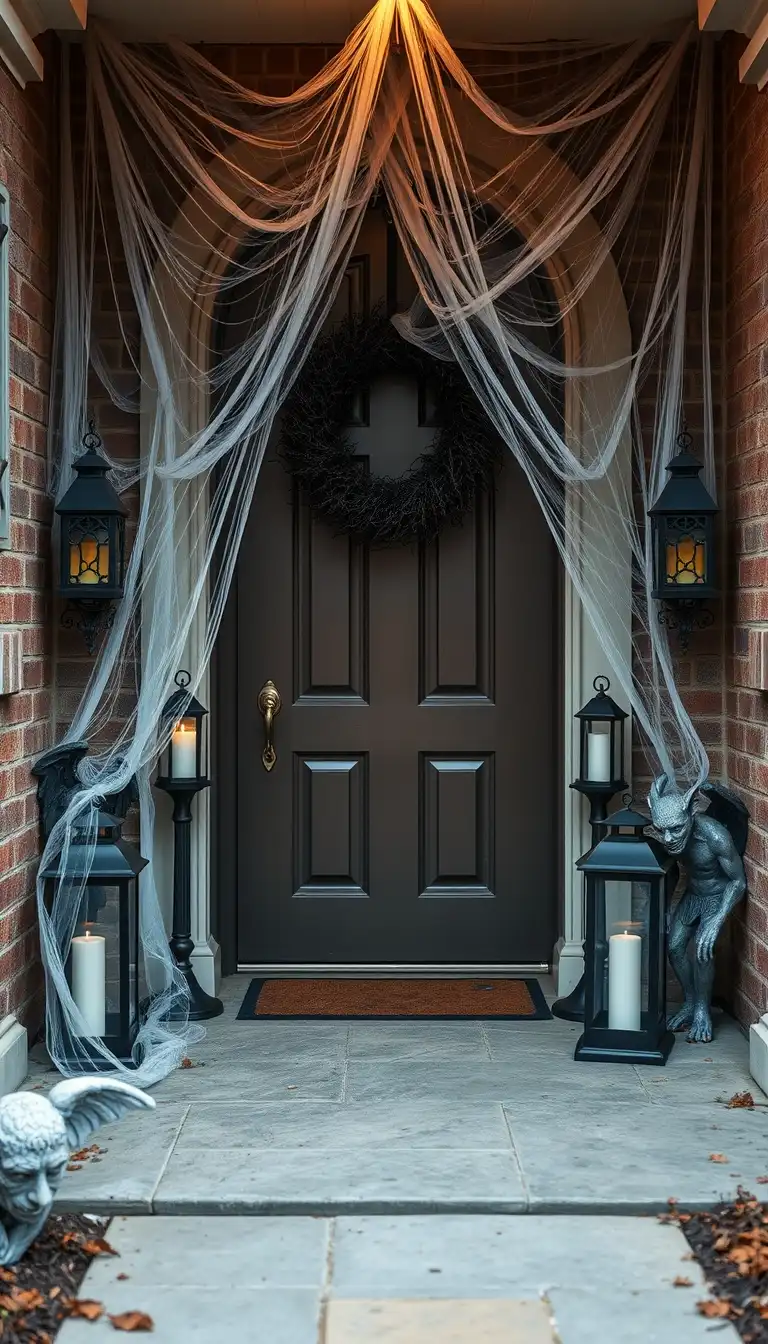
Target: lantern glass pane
89	551
686	560
620	961
183	754
599	764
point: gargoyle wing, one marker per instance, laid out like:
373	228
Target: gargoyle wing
726	807
57	780
87	1103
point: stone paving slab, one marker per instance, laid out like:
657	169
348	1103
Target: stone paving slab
594	1158
318	1181
537	1078
331	1125
126	1177
450	1322
467	1256
438	1280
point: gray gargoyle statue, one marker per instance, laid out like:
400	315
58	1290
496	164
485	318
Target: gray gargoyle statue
37	1135
710	846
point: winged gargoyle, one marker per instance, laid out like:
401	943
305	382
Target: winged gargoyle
710	845
58	781
37	1135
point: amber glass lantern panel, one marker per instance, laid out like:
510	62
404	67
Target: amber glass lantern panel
686	561
89	552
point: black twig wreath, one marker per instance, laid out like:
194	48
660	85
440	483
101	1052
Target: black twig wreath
315	446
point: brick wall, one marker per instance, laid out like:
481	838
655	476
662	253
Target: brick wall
26	168
746	268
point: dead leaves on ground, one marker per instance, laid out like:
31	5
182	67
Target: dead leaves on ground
715	1307
130	1322
718	1157
680	1281
741	1101
134	1321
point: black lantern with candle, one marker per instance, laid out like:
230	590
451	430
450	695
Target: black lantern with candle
601	775
92	544
182	775
629	881
102	967
683	522
601	744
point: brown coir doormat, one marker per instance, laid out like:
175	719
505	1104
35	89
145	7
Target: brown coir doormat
448	1000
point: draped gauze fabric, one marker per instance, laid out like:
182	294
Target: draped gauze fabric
179	184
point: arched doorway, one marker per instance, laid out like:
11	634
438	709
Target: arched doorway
412	815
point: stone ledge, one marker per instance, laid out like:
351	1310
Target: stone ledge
11	662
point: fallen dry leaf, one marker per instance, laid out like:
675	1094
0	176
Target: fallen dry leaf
54	1293
742	1101
718	1157
83	1307
74	1166
28	1299
133	1321
98	1246
122	1277
712	1309
8	1303
186	1063
681	1282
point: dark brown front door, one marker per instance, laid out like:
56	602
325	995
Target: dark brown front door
411	815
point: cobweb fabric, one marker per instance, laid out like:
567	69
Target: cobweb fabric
185	184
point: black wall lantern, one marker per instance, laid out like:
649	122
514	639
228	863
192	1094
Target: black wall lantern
629	881
92	546
183	773
102	967
683	523
601	775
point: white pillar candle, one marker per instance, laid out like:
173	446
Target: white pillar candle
184	752
89	960
599	757
624	981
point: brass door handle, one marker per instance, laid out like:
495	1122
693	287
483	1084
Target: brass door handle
270	703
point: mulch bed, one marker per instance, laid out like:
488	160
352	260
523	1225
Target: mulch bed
36	1294
731	1245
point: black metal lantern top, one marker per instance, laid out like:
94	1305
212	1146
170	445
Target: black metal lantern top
110	860
92	560
683	531
601	753
626	850
184	761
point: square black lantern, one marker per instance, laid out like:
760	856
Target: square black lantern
629	881
683	524
601	744
92	542
185	758
102	967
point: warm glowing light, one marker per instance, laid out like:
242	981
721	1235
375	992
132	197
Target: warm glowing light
88	561
686	561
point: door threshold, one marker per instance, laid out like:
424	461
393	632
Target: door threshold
405	971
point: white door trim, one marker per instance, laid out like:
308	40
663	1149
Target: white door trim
596	330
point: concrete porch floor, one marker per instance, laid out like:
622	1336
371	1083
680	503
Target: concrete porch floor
334	1118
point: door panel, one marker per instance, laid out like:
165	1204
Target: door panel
411	815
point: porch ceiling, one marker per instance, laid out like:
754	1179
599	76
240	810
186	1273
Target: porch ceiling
332	20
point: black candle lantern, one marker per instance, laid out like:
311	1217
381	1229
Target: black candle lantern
682	522
601	775
102	967
601	744
629	881
182	775
92	544
185	759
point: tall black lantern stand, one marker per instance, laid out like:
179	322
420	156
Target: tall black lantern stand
92	545
683	522
601	776
102	967
629	881
183	774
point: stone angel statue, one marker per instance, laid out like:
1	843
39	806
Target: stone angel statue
710	845
37	1135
